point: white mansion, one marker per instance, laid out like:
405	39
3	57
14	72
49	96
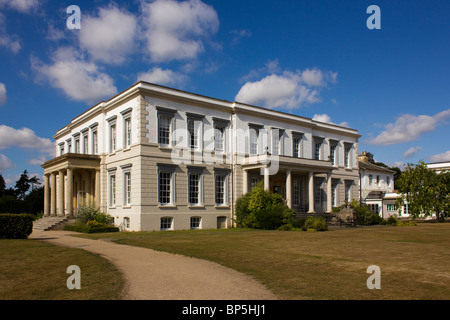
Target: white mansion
157	158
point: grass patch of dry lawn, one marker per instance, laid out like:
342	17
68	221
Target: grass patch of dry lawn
414	260
35	270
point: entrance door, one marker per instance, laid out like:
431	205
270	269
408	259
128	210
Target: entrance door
221	222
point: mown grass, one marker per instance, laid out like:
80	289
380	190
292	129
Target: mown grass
35	270
413	260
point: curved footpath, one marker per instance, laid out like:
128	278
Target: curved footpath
154	275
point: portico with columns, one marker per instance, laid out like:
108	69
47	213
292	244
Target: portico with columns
299	181
71	181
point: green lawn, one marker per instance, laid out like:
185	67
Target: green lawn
414	260
35	270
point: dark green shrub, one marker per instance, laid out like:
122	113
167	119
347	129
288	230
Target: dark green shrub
392	220
260	209
364	217
316	223
91	227
104	218
87	213
15	226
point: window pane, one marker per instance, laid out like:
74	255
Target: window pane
332	153
193	134
317	151
127	132
164	130
220	189
166	223
113	138
127	188
218	137
253	142
296	148
195	222
112	190
164	187
194	183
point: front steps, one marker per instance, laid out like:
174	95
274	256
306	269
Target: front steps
49	223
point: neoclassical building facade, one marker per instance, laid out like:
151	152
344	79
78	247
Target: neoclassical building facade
157	158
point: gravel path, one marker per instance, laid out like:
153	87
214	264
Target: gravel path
154	275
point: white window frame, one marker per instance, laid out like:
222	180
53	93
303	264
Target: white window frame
61	148
348	161
198	173
170	170
127	128
317	148
77	143
333	152
254	139
166	223
69	145
86	143
162	140
194	137
95	141
168	114
225	176
127	185
112	189
126	222
195	223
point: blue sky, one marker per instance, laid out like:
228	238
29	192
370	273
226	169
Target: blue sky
316	59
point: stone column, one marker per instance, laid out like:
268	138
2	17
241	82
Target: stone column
289	188
69	192
97	189
311	192
53	195
61	193
46	195
266	179
244	181
329	194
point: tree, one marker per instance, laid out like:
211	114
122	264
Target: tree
24	183
425	191
2	186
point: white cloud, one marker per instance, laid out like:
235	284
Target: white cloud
176	30
409	127
162	76
80	80
240	34
327	119
24	6
24	138
289	89
2	93
10	42
441	157
5	163
411	151
110	36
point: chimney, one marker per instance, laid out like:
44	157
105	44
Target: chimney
365	157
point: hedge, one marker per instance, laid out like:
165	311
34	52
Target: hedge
87	229
15	226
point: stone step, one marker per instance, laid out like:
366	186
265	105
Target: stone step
48	223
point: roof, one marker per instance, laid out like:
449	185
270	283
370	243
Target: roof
159	89
373	167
